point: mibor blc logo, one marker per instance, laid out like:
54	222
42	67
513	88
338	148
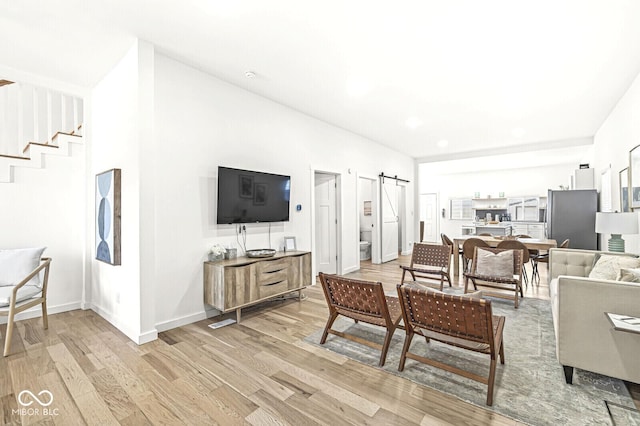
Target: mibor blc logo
35	405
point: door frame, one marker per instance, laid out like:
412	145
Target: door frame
437	213
375	211
312	191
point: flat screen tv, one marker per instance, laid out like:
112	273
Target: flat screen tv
246	196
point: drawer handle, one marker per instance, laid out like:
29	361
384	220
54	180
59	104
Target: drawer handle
274	283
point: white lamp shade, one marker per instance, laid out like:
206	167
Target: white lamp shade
616	223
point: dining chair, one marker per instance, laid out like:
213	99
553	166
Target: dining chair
447	241
468	248
543	258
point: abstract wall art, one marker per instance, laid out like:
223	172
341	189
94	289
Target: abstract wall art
108	216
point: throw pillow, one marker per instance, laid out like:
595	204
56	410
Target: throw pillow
629	275
495	264
16	264
474	295
606	266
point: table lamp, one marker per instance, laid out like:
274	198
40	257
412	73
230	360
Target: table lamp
616	224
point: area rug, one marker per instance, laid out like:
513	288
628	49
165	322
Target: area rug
530	386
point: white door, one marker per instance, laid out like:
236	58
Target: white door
429	217
389	212
326	225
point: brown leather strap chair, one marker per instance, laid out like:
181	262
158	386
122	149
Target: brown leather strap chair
461	321
361	301
515	244
511	283
429	262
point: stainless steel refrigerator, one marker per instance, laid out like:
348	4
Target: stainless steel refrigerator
572	215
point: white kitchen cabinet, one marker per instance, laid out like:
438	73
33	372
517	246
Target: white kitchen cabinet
534	230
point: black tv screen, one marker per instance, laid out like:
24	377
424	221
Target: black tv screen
246	196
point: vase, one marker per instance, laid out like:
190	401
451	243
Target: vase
215	257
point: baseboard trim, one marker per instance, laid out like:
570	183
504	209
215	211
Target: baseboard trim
138	338
187	319
36	311
406	252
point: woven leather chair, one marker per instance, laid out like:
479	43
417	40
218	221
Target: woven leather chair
544	258
460	321
468	248
515	244
511	283
429	262
361	301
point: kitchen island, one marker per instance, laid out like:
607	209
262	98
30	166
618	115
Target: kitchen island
502	228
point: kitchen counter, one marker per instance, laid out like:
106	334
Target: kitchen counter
501	228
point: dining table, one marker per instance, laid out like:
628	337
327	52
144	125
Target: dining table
493	241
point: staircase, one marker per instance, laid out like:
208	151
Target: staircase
35	121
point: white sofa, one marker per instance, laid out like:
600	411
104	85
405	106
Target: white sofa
585	338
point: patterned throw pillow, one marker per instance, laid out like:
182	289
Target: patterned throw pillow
495	264
629	275
607	266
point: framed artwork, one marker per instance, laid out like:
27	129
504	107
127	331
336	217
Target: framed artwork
289	243
634	177
260	194
246	186
108	216
624	190
367	208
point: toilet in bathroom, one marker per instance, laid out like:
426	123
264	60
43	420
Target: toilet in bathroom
365	245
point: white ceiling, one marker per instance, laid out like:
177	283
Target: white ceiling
482	75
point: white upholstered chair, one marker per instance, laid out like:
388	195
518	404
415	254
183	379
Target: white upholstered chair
24	275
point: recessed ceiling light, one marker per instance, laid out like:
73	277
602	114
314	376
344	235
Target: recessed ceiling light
413	122
442	143
518	132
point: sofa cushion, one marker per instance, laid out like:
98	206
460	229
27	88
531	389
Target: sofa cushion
606	267
16	264
628	275
494	264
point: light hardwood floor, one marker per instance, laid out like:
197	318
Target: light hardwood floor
256	372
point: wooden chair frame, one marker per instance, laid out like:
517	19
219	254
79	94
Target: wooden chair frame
513	283
15	308
460	321
361	301
429	261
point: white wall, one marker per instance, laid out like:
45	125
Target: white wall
513	182
46	207
114	135
202	123
619	133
